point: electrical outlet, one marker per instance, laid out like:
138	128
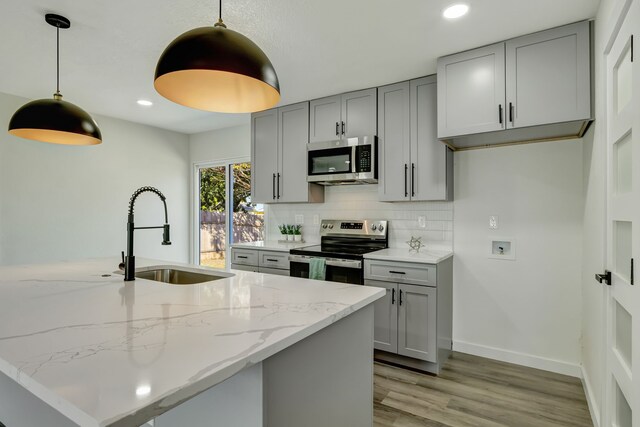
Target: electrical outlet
299	219
493	222
316	220
422	221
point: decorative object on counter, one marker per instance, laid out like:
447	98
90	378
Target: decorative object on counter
54	120
415	244
130	260
217	69
283	231
297	232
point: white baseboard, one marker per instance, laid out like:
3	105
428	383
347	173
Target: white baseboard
559	367
594	409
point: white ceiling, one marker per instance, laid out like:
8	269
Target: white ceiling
318	47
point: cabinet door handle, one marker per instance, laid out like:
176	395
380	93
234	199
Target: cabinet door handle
511	112
337	129
278	185
406	194
273	186
396	272
500	113
393	296
343	126
400	299
413	183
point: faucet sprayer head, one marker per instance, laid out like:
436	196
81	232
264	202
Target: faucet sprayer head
166	238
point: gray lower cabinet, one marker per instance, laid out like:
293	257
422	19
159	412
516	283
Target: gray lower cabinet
532	87
260	261
279	140
343	116
414	164
413	322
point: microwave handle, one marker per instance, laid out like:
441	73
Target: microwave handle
354	153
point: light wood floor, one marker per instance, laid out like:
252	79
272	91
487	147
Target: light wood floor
476	392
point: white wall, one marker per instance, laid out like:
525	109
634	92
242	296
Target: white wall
361	202
526	311
65	203
227	143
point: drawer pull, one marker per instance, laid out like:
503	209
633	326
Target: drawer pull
242	257
396	272
272	260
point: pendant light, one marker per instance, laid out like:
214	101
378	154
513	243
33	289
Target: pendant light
217	69
54	120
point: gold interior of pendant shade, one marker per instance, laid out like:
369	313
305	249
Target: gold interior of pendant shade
55	136
219	91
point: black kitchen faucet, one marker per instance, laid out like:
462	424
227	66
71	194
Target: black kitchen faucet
130	260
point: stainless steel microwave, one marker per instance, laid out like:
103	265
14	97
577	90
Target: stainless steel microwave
345	161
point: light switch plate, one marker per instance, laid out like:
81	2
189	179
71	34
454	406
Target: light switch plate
422	221
299	219
493	222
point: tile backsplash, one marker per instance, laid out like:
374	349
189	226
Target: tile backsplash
361	202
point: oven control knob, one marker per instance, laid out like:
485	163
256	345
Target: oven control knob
330	226
374	227
380	228
324	226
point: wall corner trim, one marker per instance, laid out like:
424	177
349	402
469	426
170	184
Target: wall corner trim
529	360
594	408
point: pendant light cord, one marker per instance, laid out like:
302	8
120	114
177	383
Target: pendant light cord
220	11
58	60
220	23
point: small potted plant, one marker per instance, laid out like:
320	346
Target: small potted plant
297	233
290	233
283	231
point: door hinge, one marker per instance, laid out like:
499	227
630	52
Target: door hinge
606	277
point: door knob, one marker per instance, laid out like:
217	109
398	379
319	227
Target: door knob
606	277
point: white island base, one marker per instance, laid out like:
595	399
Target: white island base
324	380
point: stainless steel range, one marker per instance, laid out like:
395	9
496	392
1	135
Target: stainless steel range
343	244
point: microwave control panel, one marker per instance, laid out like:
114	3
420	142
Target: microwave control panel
363	156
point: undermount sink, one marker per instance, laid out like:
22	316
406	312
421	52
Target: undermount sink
178	276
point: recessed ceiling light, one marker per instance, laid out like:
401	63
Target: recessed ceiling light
143	390
455	11
145	103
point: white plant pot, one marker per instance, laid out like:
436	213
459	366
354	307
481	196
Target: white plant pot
297	237
290	237
284	237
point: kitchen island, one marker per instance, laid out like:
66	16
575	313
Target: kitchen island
79	346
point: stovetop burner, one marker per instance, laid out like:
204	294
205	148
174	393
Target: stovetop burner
347	239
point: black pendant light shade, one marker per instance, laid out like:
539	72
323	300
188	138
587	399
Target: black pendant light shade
54	120
217	69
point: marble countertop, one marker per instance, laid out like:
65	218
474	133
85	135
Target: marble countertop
403	255
272	245
106	353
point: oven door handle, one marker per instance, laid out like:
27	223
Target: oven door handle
331	262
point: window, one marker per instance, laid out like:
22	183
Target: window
225	213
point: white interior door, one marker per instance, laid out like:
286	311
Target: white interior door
622	380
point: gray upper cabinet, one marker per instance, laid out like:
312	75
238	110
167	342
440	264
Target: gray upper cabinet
264	156
325	120
343	116
417	316
471	91
413	164
534	87
549	76
393	142
279	140
293	134
359	113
